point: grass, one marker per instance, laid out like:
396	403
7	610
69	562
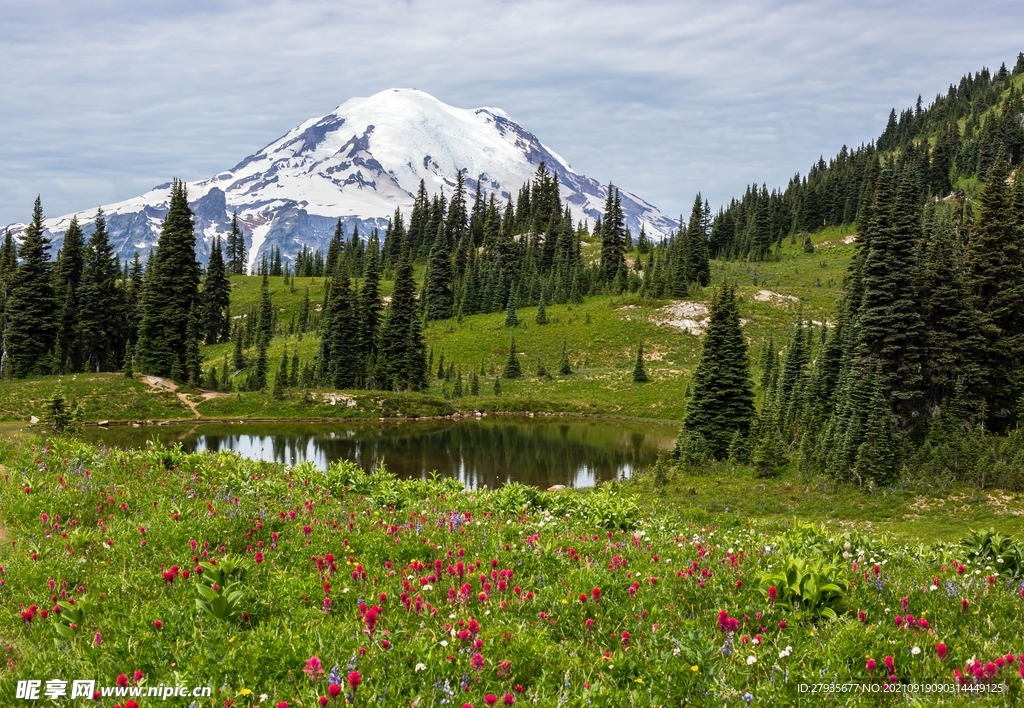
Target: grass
903	513
624	595
101	396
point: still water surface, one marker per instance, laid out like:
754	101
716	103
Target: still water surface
489	451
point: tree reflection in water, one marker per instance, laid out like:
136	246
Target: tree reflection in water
489	451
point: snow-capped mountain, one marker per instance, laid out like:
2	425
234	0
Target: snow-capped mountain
358	163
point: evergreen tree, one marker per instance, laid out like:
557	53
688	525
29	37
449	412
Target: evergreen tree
512	368
334	249
401	352
541	317
563	366
723	401
236	248
440	276
954	344
995	255
369	309
613	236
339	339
172	288
104	317
889	325
133	300
129	355
67	282
257	379
511	318
876	456
31	326
698	267
216	298
639	374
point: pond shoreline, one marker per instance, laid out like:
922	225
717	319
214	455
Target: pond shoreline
228	420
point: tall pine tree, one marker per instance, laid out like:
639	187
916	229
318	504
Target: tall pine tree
171	292
31	325
723	397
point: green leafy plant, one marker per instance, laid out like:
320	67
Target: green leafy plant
812	587
990	546
220	589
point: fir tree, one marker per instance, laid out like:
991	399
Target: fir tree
370	308
995	255
889	325
639	374
439	279
216	298
67	281
698	267
339	343
236	248
105	316
31	326
172	288
723	401
563	366
401	352
954	344
511	318
129	366
257	379
613	236
541	317
876	456
512	368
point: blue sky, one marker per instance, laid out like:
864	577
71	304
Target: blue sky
101	100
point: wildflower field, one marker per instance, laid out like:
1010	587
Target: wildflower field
297	587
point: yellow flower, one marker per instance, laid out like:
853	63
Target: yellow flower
694	668
232	639
639	680
245	692
564	601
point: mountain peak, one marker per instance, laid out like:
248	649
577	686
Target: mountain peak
359	163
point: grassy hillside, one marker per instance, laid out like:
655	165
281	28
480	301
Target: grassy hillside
600	335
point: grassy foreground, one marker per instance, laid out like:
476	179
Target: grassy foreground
271	585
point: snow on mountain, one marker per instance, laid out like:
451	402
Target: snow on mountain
358	163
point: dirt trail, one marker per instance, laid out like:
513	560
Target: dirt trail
162	384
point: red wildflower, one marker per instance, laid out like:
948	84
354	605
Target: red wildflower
890	665
870	664
941	650
490	699
334	690
122	680
508	699
157	624
773	594
354	679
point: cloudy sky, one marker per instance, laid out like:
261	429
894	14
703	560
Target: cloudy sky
102	99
